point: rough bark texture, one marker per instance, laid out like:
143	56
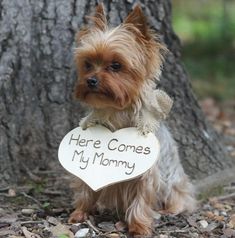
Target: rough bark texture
37	76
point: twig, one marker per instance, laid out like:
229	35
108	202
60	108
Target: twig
163	224
51	192
30	222
32	176
4	189
230	188
108	235
4	195
31	198
176	231
92	226
231	195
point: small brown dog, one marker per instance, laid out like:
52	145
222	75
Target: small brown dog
118	69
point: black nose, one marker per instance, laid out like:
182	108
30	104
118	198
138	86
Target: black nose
92	82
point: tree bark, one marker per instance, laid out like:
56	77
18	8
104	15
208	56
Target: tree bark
37	75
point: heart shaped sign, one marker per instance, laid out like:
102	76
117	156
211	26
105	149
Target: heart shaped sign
100	157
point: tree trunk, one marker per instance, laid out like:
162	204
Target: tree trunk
37	76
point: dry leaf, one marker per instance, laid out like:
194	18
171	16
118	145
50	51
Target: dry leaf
115	235
85	232
27	211
203	224
52	220
11	192
229	232
120	226
9	219
60	229
218	218
13	236
219	206
210	214
107	226
231	223
29	234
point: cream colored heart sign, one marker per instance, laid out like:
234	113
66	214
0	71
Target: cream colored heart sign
100	157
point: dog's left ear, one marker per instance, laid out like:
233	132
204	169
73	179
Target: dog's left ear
138	19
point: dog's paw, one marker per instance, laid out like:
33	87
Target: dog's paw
140	230
145	129
78	216
84	124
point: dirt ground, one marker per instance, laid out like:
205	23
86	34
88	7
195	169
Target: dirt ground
41	206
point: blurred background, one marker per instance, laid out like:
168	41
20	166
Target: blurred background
207	32
206	29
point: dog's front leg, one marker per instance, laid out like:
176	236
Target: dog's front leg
90	120
146	123
85	199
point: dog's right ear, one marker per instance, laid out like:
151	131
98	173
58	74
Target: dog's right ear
99	20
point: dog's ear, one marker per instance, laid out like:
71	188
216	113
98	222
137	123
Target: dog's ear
138	19
99	19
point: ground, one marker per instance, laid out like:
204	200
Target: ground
40	207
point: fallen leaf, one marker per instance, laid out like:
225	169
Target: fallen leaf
116	235
232	153
27	211
61	229
29	234
218	218
6	232
63	236
219	206
163	236
227	207
8	219
75	227
209	214
192	222
120	226
107	226
13	236
228	232
83	233
203	224
11	192
52	220
231	223
211	227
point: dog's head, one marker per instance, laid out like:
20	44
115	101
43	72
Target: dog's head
113	63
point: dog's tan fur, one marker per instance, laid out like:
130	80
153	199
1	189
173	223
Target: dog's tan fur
125	98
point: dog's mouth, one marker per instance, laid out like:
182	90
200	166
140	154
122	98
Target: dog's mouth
97	93
99	98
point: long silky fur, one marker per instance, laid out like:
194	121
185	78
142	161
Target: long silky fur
165	187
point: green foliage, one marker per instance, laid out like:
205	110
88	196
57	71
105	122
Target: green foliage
46	205
63	236
213	192
207	30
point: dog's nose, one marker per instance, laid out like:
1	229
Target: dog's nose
92	82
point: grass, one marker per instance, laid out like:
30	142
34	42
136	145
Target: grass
207	31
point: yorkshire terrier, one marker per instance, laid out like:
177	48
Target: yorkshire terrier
118	69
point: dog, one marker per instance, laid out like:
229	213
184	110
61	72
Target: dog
118	70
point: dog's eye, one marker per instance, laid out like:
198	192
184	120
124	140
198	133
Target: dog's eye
87	65
115	66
